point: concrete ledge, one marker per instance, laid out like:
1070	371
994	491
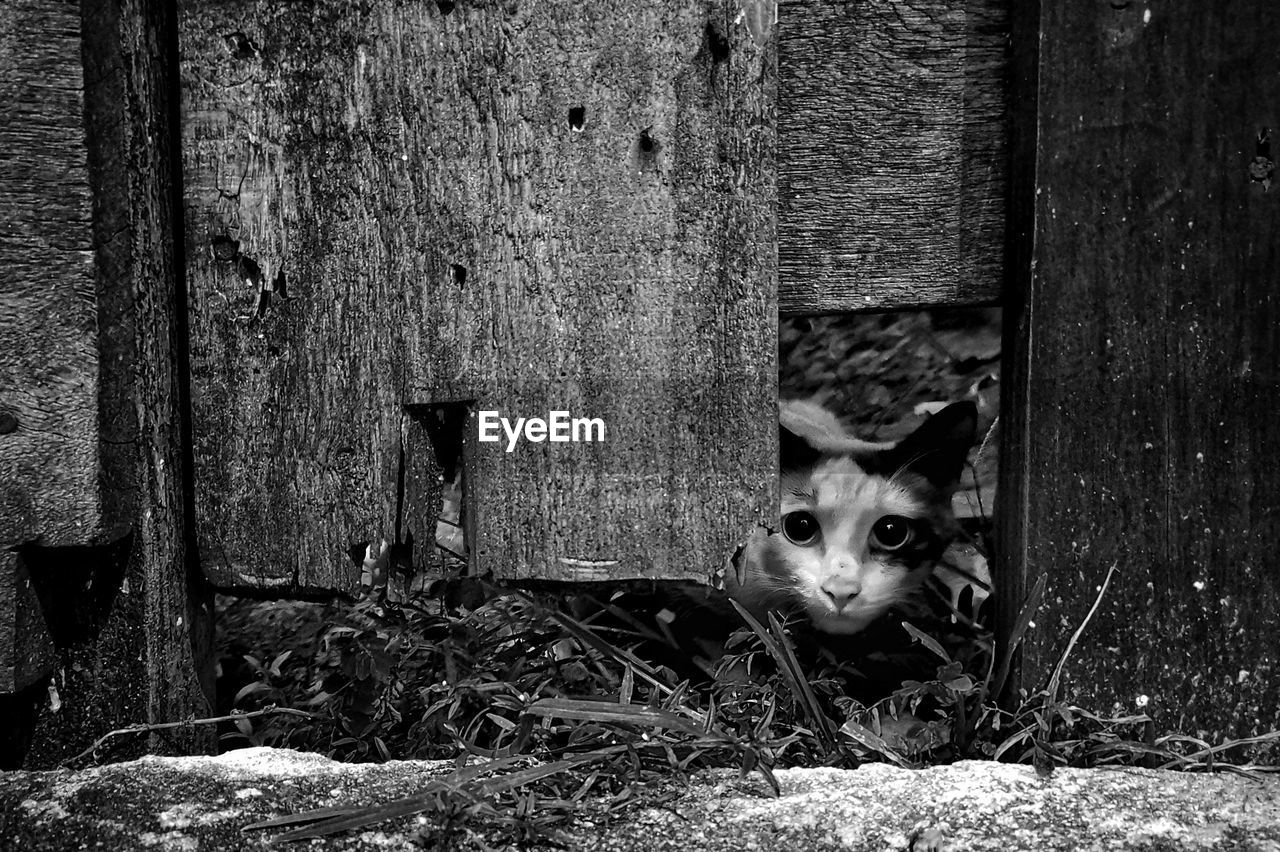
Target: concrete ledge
200	803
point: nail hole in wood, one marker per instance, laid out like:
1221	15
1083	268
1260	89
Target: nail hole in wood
577	117
224	248
240	46
647	143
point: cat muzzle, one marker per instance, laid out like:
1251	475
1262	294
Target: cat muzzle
840	592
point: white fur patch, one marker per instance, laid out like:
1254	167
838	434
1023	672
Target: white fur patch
846	501
820	428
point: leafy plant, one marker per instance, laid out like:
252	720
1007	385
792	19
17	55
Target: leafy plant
573	684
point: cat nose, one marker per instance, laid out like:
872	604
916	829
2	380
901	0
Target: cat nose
841	590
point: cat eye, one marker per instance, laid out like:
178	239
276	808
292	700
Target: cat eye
800	528
892	532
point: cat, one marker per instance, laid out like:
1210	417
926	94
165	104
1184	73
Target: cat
862	523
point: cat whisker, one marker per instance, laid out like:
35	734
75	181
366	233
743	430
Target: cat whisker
908	464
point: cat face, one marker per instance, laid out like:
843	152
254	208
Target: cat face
862	525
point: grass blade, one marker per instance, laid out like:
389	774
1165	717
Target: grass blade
1056	678
453	780
610	712
628	687
1013	739
422	801
926	640
780	649
873	741
638	666
646	672
1210	751
812	708
1027	613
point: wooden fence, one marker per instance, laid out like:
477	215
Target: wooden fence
228	325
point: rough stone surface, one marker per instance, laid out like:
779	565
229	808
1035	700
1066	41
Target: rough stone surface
202	802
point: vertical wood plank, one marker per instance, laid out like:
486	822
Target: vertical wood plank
93	492
48	364
557	206
138	40
891	153
49	487
297	408
623	271
1011	507
1149	360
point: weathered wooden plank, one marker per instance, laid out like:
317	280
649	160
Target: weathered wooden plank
49	488
48	363
92	517
134	60
1010	573
1150	362
559	206
129	617
891	153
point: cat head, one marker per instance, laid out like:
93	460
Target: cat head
863	524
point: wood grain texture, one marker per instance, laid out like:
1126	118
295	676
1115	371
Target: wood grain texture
446	233
48	363
135	57
129	611
49	487
891	153
1150	358
1010	574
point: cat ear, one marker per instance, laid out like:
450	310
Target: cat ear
794	452
939	447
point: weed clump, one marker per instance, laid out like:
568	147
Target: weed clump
556	706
